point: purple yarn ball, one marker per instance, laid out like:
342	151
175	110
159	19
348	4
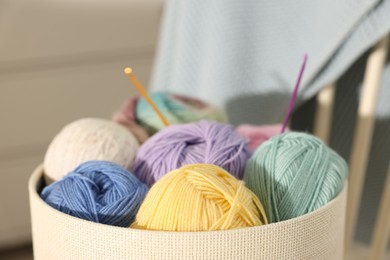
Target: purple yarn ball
198	142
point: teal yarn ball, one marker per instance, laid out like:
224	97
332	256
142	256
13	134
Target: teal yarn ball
177	109
294	174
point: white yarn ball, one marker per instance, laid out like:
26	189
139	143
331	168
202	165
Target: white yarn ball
89	139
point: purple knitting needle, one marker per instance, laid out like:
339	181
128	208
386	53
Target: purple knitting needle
294	94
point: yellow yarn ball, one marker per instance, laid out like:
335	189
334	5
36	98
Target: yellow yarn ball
199	197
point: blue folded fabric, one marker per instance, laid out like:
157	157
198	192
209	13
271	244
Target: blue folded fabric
245	56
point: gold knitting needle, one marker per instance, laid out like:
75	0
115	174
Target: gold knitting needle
144	93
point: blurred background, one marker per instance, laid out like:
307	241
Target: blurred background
59	61
63	60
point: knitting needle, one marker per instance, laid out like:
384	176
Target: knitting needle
144	93
294	94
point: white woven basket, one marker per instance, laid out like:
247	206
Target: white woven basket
318	235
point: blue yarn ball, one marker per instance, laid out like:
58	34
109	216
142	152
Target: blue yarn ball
99	191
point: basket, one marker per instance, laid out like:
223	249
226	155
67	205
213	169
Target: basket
317	235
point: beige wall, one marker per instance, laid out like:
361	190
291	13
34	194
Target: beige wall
61	60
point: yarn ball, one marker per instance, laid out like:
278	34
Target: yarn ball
198	142
294	174
126	117
99	191
256	135
177	109
89	139
199	197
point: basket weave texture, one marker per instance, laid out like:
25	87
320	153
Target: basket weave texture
317	235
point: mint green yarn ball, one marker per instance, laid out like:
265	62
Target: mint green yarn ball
294	174
177	109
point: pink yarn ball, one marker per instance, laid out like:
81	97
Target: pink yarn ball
126	117
256	135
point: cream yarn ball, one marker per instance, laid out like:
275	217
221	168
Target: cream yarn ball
88	139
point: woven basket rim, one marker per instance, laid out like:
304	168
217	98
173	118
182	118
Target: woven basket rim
37	175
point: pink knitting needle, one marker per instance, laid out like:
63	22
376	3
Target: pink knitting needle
294	94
